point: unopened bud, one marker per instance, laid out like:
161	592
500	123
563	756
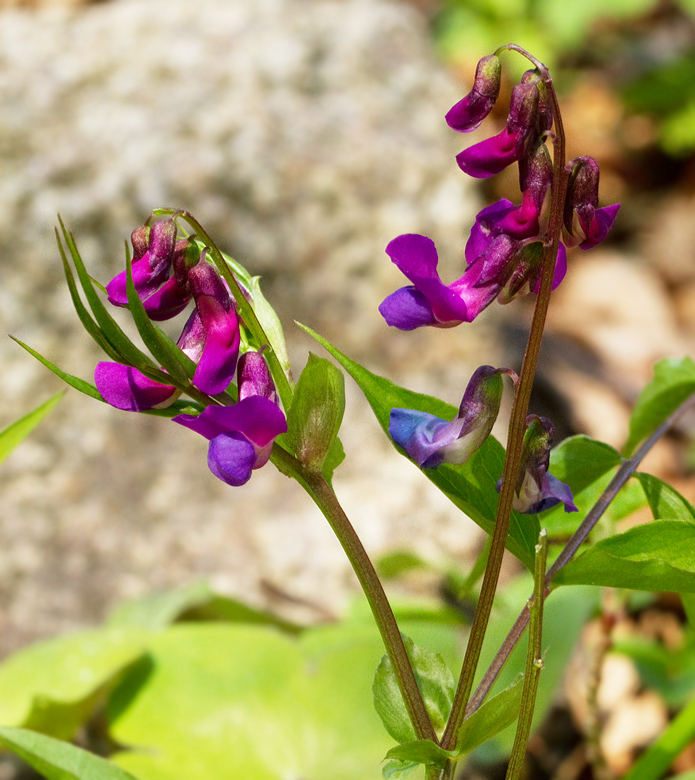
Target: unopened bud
468	113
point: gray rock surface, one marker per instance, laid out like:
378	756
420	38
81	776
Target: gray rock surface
304	135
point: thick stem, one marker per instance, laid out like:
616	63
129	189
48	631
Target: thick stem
327	502
624	473
517	427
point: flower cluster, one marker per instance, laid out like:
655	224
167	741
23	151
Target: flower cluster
504	254
167	275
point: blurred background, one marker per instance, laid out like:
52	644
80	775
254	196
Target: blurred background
305	135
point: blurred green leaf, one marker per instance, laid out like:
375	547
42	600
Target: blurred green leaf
14	434
673	382
496	714
57	760
472	486
55	685
436	685
240	701
658	556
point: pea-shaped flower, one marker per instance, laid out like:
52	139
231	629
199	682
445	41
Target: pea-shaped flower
431	441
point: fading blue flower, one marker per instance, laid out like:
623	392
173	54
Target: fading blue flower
536	490
431	441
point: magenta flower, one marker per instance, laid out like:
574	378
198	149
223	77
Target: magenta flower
428	301
126	388
431	441
536	490
585	224
494	154
241	436
468	113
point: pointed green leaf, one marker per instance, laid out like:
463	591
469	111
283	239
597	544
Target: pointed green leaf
421	751
73	381
15	434
580	460
57	760
472	486
110	329
673	382
495	714
436	685
658	556
401	770
665	501
84	316
314	418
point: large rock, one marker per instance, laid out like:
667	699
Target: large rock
305	135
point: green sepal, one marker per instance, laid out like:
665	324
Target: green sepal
58	760
673	382
436	685
314	418
14	434
472	486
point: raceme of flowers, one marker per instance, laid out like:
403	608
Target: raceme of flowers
168	275
504	253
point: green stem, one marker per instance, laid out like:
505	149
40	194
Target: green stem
517	427
534	661
327	502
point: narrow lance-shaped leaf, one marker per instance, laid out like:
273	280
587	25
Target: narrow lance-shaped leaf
665	501
123	346
57	760
14	434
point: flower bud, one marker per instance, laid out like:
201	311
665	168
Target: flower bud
253	377
585	224
468	113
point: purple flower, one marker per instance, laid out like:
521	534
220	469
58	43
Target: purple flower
428	301
431	441
241	436
126	388
585	224
536	490
494	154
468	113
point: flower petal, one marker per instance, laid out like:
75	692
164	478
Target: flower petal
407	309
600	226
422	435
218	359
169	300
231	458
126	388
492	155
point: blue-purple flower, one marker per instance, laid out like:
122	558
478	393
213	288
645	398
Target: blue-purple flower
536	490
431	441
241	436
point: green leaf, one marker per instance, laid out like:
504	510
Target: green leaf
673	382
658	556
436	685
270	322
580	460
472	486
57	760
495	714
316	413
14	434
400	770
121	345
159	610
658	757
665	501
54	686
239	701
73	381
421	751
